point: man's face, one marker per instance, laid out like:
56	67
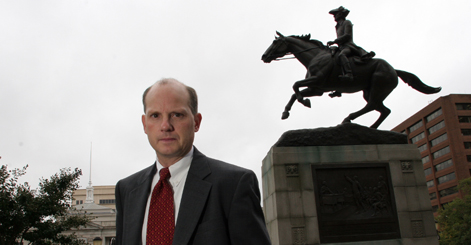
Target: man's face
338	16
169	123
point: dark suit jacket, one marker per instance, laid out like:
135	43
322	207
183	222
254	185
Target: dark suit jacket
220	205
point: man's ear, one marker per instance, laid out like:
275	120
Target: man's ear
144	123
198	119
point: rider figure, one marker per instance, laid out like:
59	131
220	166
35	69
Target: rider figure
346	45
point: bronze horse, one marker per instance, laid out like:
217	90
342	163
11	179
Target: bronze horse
376	78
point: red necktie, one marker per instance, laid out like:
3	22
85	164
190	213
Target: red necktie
161	220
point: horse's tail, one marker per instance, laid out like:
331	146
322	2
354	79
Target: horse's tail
413	81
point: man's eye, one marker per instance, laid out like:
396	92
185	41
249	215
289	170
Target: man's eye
177	115
154	115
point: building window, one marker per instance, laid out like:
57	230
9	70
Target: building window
446	164
441	152
107	201
463	106
425	159
464	119
78	202
467	145
428	171
465	131
448	191
446	178
435	208
438	140
417	137
422	147
433	195
436	127
433	115
468	157
415	126
430	183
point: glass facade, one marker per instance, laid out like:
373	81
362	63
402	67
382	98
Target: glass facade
417	137
428	171
466	131
436	127
415	126
446	178
425	159
441	152
433	115
438	140
430	183
463	106
464	119
448	191
446	164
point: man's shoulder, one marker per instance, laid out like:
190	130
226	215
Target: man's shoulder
218	165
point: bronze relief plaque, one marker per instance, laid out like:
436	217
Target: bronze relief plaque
355	202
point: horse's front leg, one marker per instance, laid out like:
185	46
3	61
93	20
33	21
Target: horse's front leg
303	83
288	107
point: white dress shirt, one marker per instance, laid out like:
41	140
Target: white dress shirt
178	173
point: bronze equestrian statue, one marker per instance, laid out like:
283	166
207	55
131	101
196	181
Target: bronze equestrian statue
376	78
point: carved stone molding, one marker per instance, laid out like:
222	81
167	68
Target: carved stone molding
406	166
298	235
292	170
418	229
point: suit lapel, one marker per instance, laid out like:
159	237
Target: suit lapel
136	205
195	194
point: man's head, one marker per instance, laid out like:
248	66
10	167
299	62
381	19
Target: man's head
339	13
170	119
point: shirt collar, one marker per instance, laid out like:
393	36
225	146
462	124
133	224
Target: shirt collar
179	169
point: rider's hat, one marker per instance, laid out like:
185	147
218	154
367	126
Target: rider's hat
340	9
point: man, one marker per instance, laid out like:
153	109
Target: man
346	45
213	202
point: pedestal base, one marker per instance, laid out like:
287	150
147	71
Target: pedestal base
348	194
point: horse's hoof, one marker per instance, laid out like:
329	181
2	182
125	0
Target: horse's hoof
307	103
284	115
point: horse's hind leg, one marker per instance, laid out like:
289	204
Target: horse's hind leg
354	115
384	112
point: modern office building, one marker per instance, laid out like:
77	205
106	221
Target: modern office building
442	132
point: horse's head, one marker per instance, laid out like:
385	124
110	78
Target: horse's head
277	49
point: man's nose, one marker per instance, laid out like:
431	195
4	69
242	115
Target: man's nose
166	125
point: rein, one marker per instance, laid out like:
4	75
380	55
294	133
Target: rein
302	51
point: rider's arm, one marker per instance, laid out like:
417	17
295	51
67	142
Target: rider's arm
347	33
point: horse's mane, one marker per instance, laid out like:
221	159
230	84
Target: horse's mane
307	38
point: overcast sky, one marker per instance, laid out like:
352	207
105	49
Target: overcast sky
73	72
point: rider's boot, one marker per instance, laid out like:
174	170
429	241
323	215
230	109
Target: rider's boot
346	69
346	76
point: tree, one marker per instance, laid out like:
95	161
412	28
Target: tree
39	216
454	219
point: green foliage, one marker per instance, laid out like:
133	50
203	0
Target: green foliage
40	215
454	219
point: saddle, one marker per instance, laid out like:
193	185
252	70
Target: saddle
357	59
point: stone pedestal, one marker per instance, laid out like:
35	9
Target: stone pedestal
362	193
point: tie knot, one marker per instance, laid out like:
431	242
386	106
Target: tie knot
164	174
